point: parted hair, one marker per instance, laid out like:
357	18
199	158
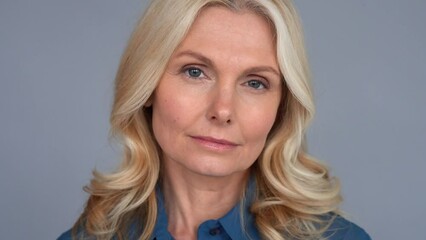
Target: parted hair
294	190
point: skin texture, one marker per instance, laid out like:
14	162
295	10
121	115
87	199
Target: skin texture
212	112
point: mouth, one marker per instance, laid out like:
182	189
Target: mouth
215	143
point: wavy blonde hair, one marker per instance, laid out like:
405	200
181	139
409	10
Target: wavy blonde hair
294	190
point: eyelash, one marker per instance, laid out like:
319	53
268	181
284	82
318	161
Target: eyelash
186	70
257	81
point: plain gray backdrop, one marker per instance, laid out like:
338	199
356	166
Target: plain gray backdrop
57	65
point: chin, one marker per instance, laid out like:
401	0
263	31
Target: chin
219	171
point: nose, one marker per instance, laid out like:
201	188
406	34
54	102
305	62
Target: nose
221	106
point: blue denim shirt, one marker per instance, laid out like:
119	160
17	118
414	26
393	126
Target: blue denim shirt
230	226
233	227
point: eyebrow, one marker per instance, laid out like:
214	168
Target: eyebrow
208	61
264	69
196	55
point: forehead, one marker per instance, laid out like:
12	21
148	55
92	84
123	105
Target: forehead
219	19
240	33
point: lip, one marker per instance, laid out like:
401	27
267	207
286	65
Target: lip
215	143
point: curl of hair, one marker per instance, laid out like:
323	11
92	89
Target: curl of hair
294	190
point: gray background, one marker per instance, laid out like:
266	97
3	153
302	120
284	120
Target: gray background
57	64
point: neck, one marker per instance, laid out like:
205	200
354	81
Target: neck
191	199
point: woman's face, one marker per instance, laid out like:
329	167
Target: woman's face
218	98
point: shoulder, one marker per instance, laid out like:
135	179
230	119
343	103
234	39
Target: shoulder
342	229
70	235
65	236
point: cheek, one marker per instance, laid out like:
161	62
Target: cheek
256	128
259	130
255	133
259	123
170	116
165	118
258	116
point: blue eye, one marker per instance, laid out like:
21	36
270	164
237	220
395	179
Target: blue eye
256	84
194	72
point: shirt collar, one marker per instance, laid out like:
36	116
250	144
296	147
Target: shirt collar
238	222
160	230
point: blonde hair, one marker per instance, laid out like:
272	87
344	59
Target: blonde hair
293	191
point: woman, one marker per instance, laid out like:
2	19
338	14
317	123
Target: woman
212	102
